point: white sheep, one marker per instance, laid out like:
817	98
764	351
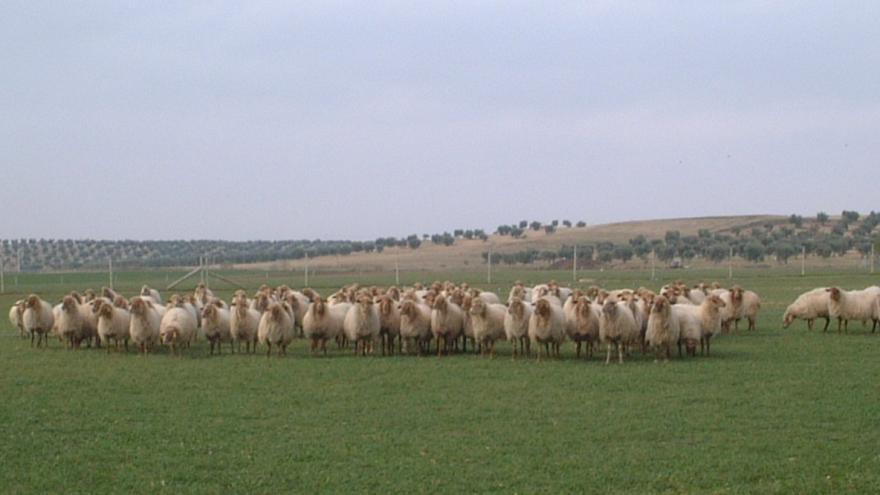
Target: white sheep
809	306
144	323
275	328
38	319
243	324
113	323
700	323
663	329
323	322
177	328
860	305
389	324
447	323
415	325
69	323
487	320
361	325
147	291
582	323
15	317
547	326
516	326
617	327
216	323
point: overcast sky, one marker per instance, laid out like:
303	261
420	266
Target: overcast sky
280	120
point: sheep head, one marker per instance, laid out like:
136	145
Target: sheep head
68	304
517	309
834	293
542	309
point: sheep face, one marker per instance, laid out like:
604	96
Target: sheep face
517	309
834	294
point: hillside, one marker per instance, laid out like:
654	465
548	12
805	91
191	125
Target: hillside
468	253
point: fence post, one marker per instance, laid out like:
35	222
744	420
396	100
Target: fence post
730	265
574	266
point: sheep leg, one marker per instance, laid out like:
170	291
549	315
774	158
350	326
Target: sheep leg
578	344
839	324
708	349
827	321
608	354
269	352
874	326
752	323
810	324
620	350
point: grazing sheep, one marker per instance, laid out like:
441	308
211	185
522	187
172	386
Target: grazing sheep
216	322
113	323
487	320
361	325
389	324
663	328
38	319
862	305
243	324
276	327
177	328
144	323
547	326
617	326
15	317
700	323
447	323
809	306
582	323
415	325
516	326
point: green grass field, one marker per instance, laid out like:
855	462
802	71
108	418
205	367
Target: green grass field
772	411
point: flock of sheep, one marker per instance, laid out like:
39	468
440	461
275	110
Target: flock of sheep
446	316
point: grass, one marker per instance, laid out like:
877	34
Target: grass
771	411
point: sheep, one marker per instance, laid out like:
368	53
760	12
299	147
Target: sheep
113	323
202	293
809	306
177	328
216	325
516	326
109	293
415	324
389	324
299	303
547	326
486	296
848	305
38	319
487	320
700	323
617	326
276	327
738	304
69	323
663	328
15	316
447	323
243	324
323	322
144	323
361	325
146	291
582	323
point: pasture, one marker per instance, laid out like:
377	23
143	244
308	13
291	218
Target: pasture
772	411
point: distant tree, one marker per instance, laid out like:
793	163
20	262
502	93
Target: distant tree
413	241
469	234
672	236
566	223
822	217
458	232
581	223
704	234
850	216
523	224
536	225
796	220
503	230
555	223
784	251
550	229
623	252
754	251
718	252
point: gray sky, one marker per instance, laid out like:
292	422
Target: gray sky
279	120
